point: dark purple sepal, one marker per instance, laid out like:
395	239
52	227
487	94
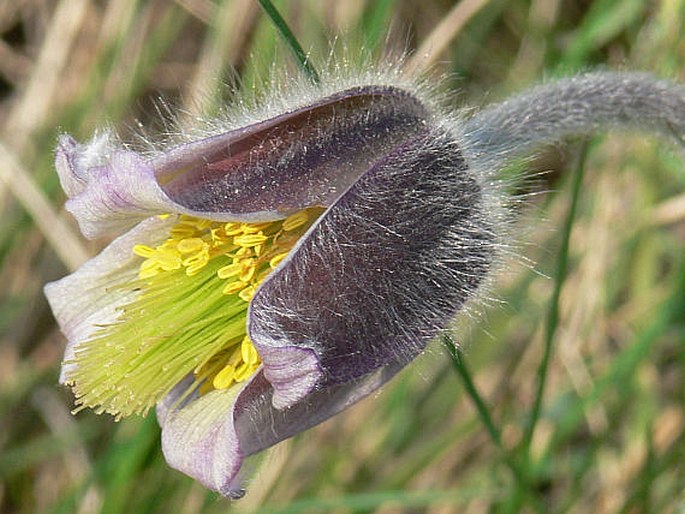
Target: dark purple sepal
298	159
261	172
383	270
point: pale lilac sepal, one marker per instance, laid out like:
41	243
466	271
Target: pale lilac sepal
293	372
90	297
200	439
209	437
112	195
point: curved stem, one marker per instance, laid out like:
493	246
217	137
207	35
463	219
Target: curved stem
575	106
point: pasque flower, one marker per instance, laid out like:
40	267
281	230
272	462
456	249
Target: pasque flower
275	269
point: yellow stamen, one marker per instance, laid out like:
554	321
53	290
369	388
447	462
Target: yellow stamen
219	236
167	260
187	314
143	251
191	244
243	252
197	261
295	221
248	351
250	240
233	229
196	267
149	269
242	372
275	261
247	293
233	287
247	270
230	270
224	378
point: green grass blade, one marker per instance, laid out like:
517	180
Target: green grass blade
553	312
375	22
520	475
290	40
479	403
605	20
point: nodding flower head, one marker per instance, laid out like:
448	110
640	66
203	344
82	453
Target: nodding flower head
272	273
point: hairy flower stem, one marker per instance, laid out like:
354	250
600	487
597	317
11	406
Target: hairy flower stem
579	105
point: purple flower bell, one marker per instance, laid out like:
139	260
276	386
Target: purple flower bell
275	273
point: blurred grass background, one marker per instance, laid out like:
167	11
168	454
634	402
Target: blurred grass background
611	435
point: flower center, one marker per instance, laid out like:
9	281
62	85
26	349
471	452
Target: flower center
187	314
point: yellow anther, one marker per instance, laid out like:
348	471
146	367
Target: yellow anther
163	216
233	258
247	293
233	228
195	262
248	352
191	244
247	270
230	270
148	268
168	261
218	236
243	372
224	378
201	256
234	287
182	231
253	228
195	268
295	220
275	261
143	251
250	240
243	252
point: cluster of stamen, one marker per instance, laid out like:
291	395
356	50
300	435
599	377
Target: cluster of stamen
253	250
196	286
